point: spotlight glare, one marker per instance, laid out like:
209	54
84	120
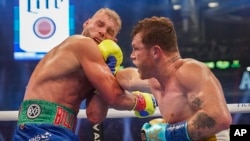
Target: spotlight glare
176	7
213	4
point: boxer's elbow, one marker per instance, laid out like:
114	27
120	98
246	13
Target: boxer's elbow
96	118
225	121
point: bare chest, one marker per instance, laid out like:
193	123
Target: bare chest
173	104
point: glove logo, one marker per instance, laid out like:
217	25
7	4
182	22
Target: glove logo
155	135
34	110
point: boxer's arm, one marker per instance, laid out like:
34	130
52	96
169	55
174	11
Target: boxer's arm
96	108
205	95
100	76
129	79
159	129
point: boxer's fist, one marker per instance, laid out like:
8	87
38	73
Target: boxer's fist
145	104
160	130
154	130
112	54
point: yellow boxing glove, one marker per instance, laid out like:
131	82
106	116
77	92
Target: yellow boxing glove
112	54
145	104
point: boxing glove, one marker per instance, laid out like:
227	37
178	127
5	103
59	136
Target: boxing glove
145	104
154	130
159	130
112	54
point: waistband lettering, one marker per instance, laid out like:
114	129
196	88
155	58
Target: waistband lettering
64	118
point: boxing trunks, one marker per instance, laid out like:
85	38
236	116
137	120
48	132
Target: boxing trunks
40	120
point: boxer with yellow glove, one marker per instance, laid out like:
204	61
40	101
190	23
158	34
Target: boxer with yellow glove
112	54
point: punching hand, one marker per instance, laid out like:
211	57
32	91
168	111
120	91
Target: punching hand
154	130
145	104
159	130
112	54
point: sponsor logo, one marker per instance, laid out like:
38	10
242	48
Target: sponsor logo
44	27
34	110
41	137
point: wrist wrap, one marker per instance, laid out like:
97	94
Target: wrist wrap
177	132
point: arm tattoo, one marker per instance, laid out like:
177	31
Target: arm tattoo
203	121
196	103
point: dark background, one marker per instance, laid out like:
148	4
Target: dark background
206	34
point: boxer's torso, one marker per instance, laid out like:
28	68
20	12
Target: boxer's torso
59	78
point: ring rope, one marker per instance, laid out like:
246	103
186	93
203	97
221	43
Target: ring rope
112	113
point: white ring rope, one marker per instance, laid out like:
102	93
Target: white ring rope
112	113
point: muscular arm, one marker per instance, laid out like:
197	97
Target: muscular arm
129	79
100	76
205	95
96	109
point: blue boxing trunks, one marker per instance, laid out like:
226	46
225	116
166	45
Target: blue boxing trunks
40	120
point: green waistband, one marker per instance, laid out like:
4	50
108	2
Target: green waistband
44	112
